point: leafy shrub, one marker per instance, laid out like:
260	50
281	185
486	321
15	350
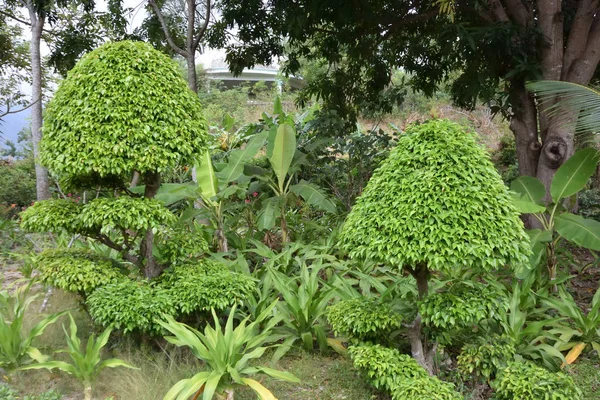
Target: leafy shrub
526	381
363	318
52	216
181	246
437	201
78	270
130	306
121	213
425	388
385	367
485	359
463	304
17	186
204	286
123	107
7	393
589	204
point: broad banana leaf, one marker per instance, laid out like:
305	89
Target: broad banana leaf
574	174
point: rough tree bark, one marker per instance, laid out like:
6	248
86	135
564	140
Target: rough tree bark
151	267
37	26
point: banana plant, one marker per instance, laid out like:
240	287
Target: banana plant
583	329
284	158
556	221
15	343
227	353
86	364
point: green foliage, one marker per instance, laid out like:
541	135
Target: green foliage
303	309
6	393
385	367
437	200
527	381
123	107
399	374
86	364
363	318
465	303
52	216
122	213
78	270
425	388
484	359
203	285
130	306
15	342
17	180
226	351
181	246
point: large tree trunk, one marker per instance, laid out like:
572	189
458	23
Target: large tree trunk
41	174
151	267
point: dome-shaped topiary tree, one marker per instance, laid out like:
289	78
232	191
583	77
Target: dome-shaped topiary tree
436	204
123	109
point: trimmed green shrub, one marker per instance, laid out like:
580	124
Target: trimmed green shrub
52	216
425	388
485	359
363	318
131	306
437	201
123	107
463	304
526	381
78	270
122	213
205	285
181	246
385	367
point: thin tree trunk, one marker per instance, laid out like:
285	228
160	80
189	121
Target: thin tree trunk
41	174
151	268
523	124
421	351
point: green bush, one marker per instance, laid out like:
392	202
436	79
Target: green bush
7	393
52	216
485	359
78	270
130	306
385	367
425	388
363	318
463	304
438	202
181	246
17	186
122	213
526	381
205	285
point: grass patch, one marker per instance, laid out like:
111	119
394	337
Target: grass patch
586	373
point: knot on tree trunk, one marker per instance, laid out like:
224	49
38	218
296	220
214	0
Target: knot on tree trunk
554	150
535	146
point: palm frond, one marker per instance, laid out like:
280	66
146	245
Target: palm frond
564	98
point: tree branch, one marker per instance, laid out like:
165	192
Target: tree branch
123	251
498	11
550	22
519	12
393	27
8	111
577	40
202	30
583	67
165	29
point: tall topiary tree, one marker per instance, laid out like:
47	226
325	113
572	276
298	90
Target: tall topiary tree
124	108
436	204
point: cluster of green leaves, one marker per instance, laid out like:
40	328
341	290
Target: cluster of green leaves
399	374
181	246
122	213
463	304
86	364
484	359
526	381
52	216
204	285
78	270
17	183
363	318
15	341
124	107
464	217
7	393
227	353
130	306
